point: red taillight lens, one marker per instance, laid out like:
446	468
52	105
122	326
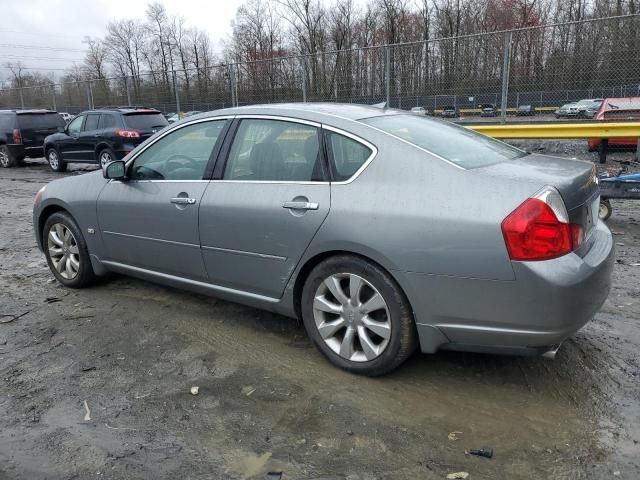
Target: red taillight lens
533	232
127	133
17	136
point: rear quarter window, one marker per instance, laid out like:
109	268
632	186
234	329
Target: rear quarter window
145	121
7	121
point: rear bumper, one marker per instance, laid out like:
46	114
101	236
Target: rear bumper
20	151
546	303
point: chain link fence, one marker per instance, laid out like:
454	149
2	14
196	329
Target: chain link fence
540	66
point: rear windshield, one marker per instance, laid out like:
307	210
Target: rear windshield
7	121
145	121
459	145
40	120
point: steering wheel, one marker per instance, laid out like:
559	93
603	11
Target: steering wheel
179	160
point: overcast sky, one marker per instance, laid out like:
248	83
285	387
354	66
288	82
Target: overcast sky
60	26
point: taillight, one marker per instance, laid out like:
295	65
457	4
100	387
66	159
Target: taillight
127	133
539	229
17	136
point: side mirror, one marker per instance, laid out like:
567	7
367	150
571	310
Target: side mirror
114	170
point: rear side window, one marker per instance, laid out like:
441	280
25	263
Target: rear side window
40	120
347	155
92	122
145	121
108	121
7	121
459	145
274	150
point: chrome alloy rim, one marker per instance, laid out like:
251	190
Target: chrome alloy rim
105	158
53	159
602	210
352	317
63	250
4	158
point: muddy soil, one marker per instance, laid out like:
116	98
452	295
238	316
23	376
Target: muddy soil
96	383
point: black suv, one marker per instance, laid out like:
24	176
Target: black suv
101	136
22	133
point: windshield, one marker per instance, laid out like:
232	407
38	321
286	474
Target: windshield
40	120
145	121
456	144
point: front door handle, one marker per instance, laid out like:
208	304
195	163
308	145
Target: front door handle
183	201
301	205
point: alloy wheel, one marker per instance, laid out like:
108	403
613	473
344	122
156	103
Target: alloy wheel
53	159
352	317
63	251
4	158
105	158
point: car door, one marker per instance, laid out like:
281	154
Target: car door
88	138
265	204
69	145
150	220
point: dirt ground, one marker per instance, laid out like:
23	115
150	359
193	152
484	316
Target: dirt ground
96	384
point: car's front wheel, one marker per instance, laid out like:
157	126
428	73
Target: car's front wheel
66	251
357	316
55	161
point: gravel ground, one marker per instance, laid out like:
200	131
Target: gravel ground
95	383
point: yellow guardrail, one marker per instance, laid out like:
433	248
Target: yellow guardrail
561	130
509	109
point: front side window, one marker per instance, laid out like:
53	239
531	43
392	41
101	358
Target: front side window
181	155
274	150
347	155
75	125
459	145
92	122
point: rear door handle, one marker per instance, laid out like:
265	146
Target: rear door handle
301	205
183	201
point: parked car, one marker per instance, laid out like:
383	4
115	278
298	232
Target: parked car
487	110
449	112
589	110
66	116
101	136
420	111
627	108
22	133
525	110
575	109
168	115
246	206
176	116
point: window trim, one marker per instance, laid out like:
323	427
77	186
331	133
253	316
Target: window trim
222	161
212	158
360	140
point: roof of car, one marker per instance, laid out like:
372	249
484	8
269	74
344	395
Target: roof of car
626	103
348	111
28	111
125	110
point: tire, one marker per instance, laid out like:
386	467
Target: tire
106	156
6	159
395	336
55	161
61	240
605	210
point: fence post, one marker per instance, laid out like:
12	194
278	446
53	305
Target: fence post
128	87
232	81
303	63
21	98
387	74
53	96
506	64
175	89
89	96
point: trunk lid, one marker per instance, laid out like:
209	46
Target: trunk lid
146	122
36	126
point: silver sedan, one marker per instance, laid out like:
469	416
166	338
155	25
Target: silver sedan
382	230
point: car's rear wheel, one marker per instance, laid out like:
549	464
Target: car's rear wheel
605	210
105	157
6	159
357	316
55	160
66	251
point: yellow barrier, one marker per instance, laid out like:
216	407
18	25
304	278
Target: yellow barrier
561	130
